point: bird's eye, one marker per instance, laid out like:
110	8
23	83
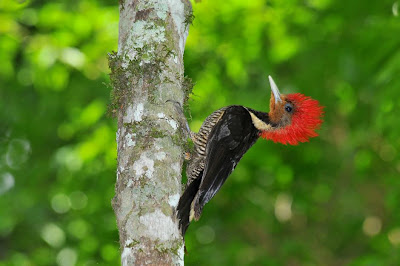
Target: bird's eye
288	107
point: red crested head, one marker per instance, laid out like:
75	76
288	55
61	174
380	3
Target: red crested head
294	117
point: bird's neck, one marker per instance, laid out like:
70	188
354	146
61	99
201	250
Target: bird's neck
261	120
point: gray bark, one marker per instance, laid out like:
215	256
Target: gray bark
147	71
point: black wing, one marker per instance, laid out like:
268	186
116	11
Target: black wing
229	140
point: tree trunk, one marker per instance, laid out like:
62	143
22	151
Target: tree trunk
146	72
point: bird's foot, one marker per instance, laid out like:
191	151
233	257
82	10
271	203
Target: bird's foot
187	156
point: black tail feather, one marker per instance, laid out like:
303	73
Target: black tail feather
185	202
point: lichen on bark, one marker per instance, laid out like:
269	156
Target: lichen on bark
146	72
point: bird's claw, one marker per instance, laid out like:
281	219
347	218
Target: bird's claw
187	156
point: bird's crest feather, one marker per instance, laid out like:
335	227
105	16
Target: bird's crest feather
305	120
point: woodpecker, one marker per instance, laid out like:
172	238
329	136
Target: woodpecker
227	134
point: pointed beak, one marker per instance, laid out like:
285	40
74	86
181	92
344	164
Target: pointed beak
275	90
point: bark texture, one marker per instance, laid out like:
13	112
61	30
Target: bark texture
146	72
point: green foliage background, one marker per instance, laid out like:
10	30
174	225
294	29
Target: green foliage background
339	194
